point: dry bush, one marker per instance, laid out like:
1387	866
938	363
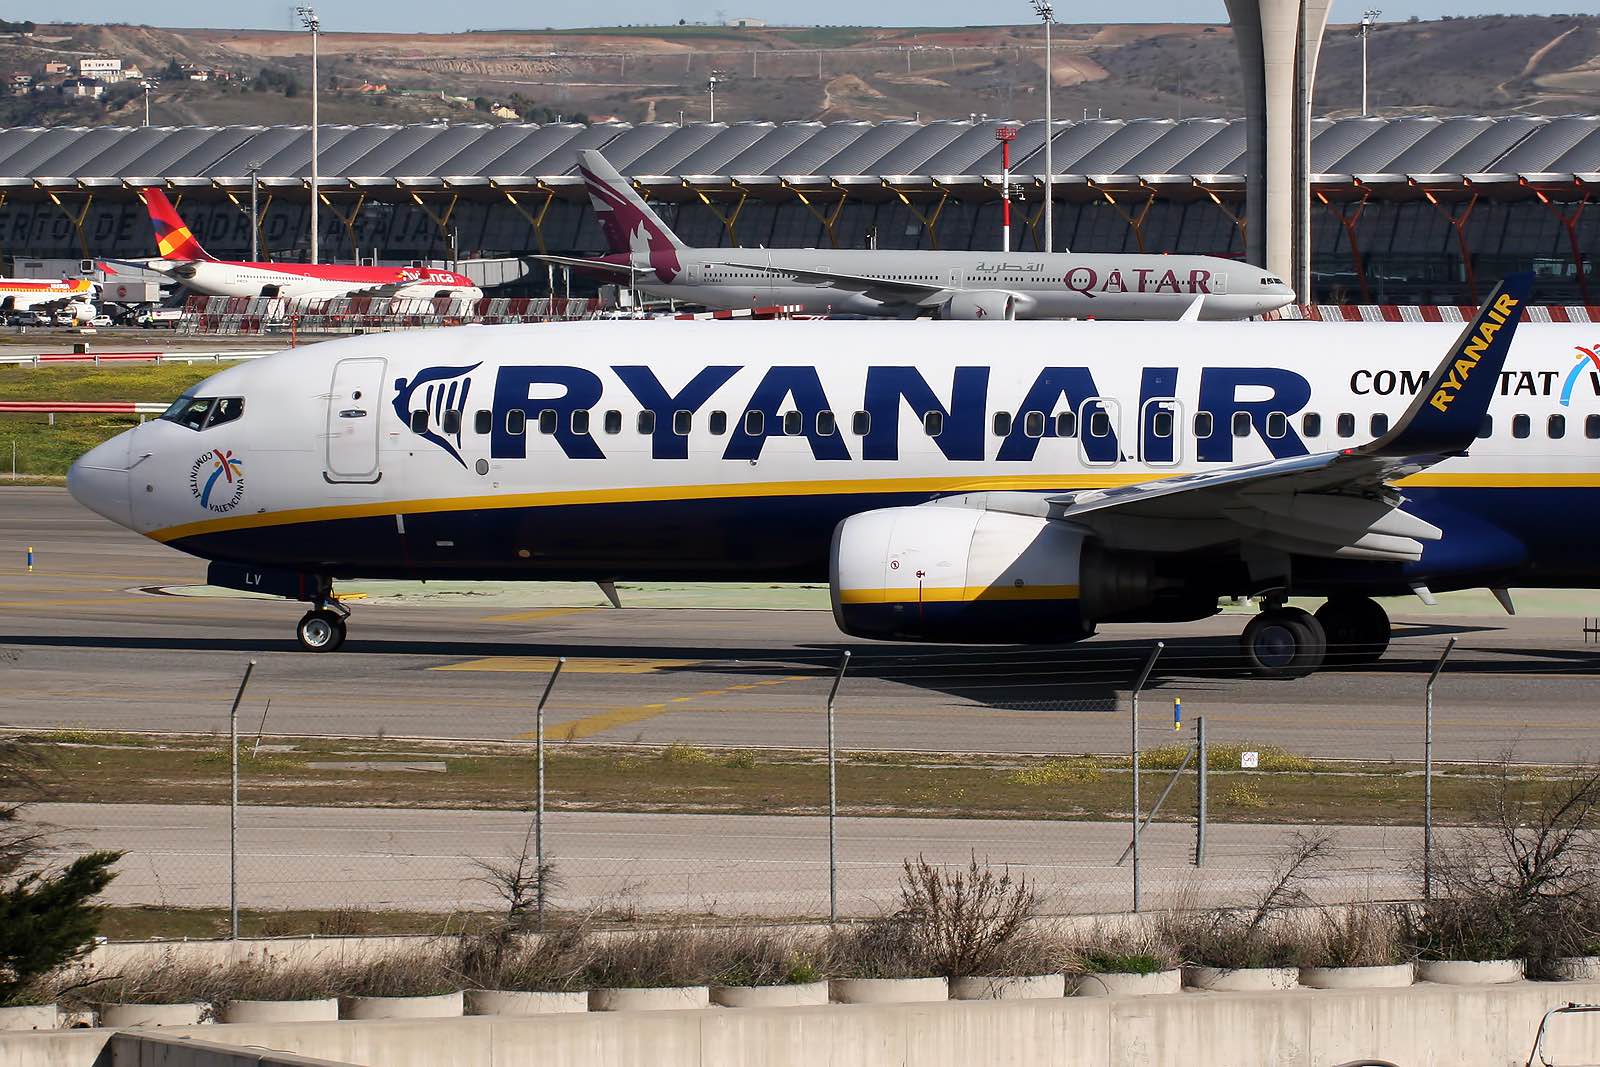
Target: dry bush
1122	951
1356	935
651	960
972	920
885	947
1528	886
420	973
1260	936
751	956
554	961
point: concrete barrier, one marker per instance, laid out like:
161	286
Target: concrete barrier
1463	1026
152	1050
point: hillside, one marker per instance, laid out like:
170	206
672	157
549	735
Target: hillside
1490	64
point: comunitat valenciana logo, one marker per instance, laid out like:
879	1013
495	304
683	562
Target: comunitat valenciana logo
217	480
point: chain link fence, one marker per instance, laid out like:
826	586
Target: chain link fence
637	830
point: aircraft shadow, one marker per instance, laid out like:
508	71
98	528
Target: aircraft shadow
1091	677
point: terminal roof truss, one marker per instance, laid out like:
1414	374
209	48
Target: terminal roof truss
1187	158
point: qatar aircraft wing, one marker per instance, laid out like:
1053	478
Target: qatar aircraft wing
885	290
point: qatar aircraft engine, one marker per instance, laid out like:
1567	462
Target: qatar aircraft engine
1098	473
648	256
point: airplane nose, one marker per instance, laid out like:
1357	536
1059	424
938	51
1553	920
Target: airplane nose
99	479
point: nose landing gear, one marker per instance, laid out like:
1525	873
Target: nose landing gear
322	629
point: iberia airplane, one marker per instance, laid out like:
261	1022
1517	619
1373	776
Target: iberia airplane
183	260
1097	473
39	294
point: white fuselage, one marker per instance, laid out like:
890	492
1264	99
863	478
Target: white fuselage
727	451
251	280
1054	286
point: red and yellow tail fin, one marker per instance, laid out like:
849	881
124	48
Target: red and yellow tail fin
173	238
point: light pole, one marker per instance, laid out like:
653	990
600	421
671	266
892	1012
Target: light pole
253	168
308	19
1005	135
1369	19
711	87
148	85
1047	14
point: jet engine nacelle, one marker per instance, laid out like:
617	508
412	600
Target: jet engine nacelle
980	304
935	573
82	311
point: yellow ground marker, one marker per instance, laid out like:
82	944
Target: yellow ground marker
534	616
575	665
599	723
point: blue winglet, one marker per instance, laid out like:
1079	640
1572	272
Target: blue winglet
1445	416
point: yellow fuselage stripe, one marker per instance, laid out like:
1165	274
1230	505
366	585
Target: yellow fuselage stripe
957	594
651	494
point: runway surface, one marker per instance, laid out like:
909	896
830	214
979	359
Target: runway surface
83	645
699	864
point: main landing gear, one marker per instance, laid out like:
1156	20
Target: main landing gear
1285	642
322	629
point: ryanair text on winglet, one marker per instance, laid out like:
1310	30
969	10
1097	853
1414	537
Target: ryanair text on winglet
1498	315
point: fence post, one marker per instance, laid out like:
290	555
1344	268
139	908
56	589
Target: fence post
233	804
1427	774
538	807
1144	676
833	798
1200	794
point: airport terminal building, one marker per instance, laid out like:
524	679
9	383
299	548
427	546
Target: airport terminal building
1406	210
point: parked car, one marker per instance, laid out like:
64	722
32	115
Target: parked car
160	318
30	318
100	321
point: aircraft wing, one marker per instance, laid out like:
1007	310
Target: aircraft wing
621	270
1338	504
887	291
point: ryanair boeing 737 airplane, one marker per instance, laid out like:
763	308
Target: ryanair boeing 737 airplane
953	482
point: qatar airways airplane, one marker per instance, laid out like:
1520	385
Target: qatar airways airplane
183	260
647	255
1098	473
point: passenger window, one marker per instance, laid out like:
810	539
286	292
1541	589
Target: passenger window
1486	427
1099	424
647	422
419	421
1521	426
1241	424
482	421
933	423
1380	425
516	421
451	423
1591	427
718	423
794	423
1558	427
1033	424
755	423
826	424
613	421
682	422
1311	425
1347	425
1277	424
861	423
580	421
547	420
1161	424
1002	424
227	409
1203	424
1067	424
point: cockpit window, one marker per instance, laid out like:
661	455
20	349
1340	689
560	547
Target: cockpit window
227	409
204	412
